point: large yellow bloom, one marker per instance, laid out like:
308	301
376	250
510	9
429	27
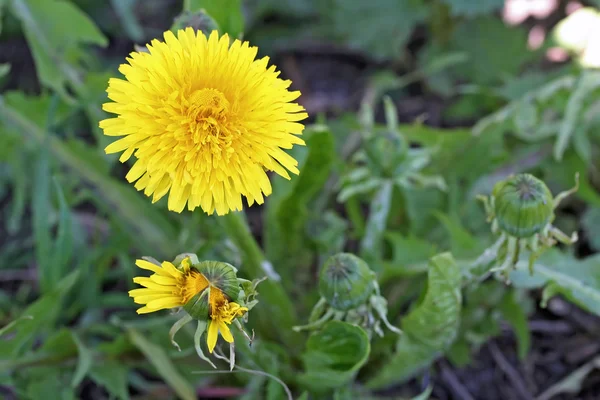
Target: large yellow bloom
170	287
205	121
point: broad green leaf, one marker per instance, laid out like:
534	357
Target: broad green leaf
428	329
163	364
227	14
40	315
333	355
576	280
421	205
111	375
409	255
479	39
363	25
50	385
462	243
54	48
472	8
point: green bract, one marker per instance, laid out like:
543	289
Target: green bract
221	275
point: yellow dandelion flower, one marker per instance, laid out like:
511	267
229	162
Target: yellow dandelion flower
205	121
172	287
223	312
168	287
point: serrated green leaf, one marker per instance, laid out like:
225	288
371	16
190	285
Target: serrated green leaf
333	355
163	364
227	14
112	376
430	328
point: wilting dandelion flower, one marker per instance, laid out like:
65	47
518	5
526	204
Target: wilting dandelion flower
209	292
205	120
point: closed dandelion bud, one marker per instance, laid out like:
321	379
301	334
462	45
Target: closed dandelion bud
523	205
346	281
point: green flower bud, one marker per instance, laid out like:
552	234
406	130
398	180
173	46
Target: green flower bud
523	205
346	281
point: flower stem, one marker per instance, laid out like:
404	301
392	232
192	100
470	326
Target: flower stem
277	314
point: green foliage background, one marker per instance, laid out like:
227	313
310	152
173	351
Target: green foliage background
71	227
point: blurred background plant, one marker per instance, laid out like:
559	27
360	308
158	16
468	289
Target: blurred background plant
475	91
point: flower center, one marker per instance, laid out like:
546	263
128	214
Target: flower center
208	113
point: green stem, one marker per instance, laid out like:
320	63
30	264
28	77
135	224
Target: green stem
276	314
